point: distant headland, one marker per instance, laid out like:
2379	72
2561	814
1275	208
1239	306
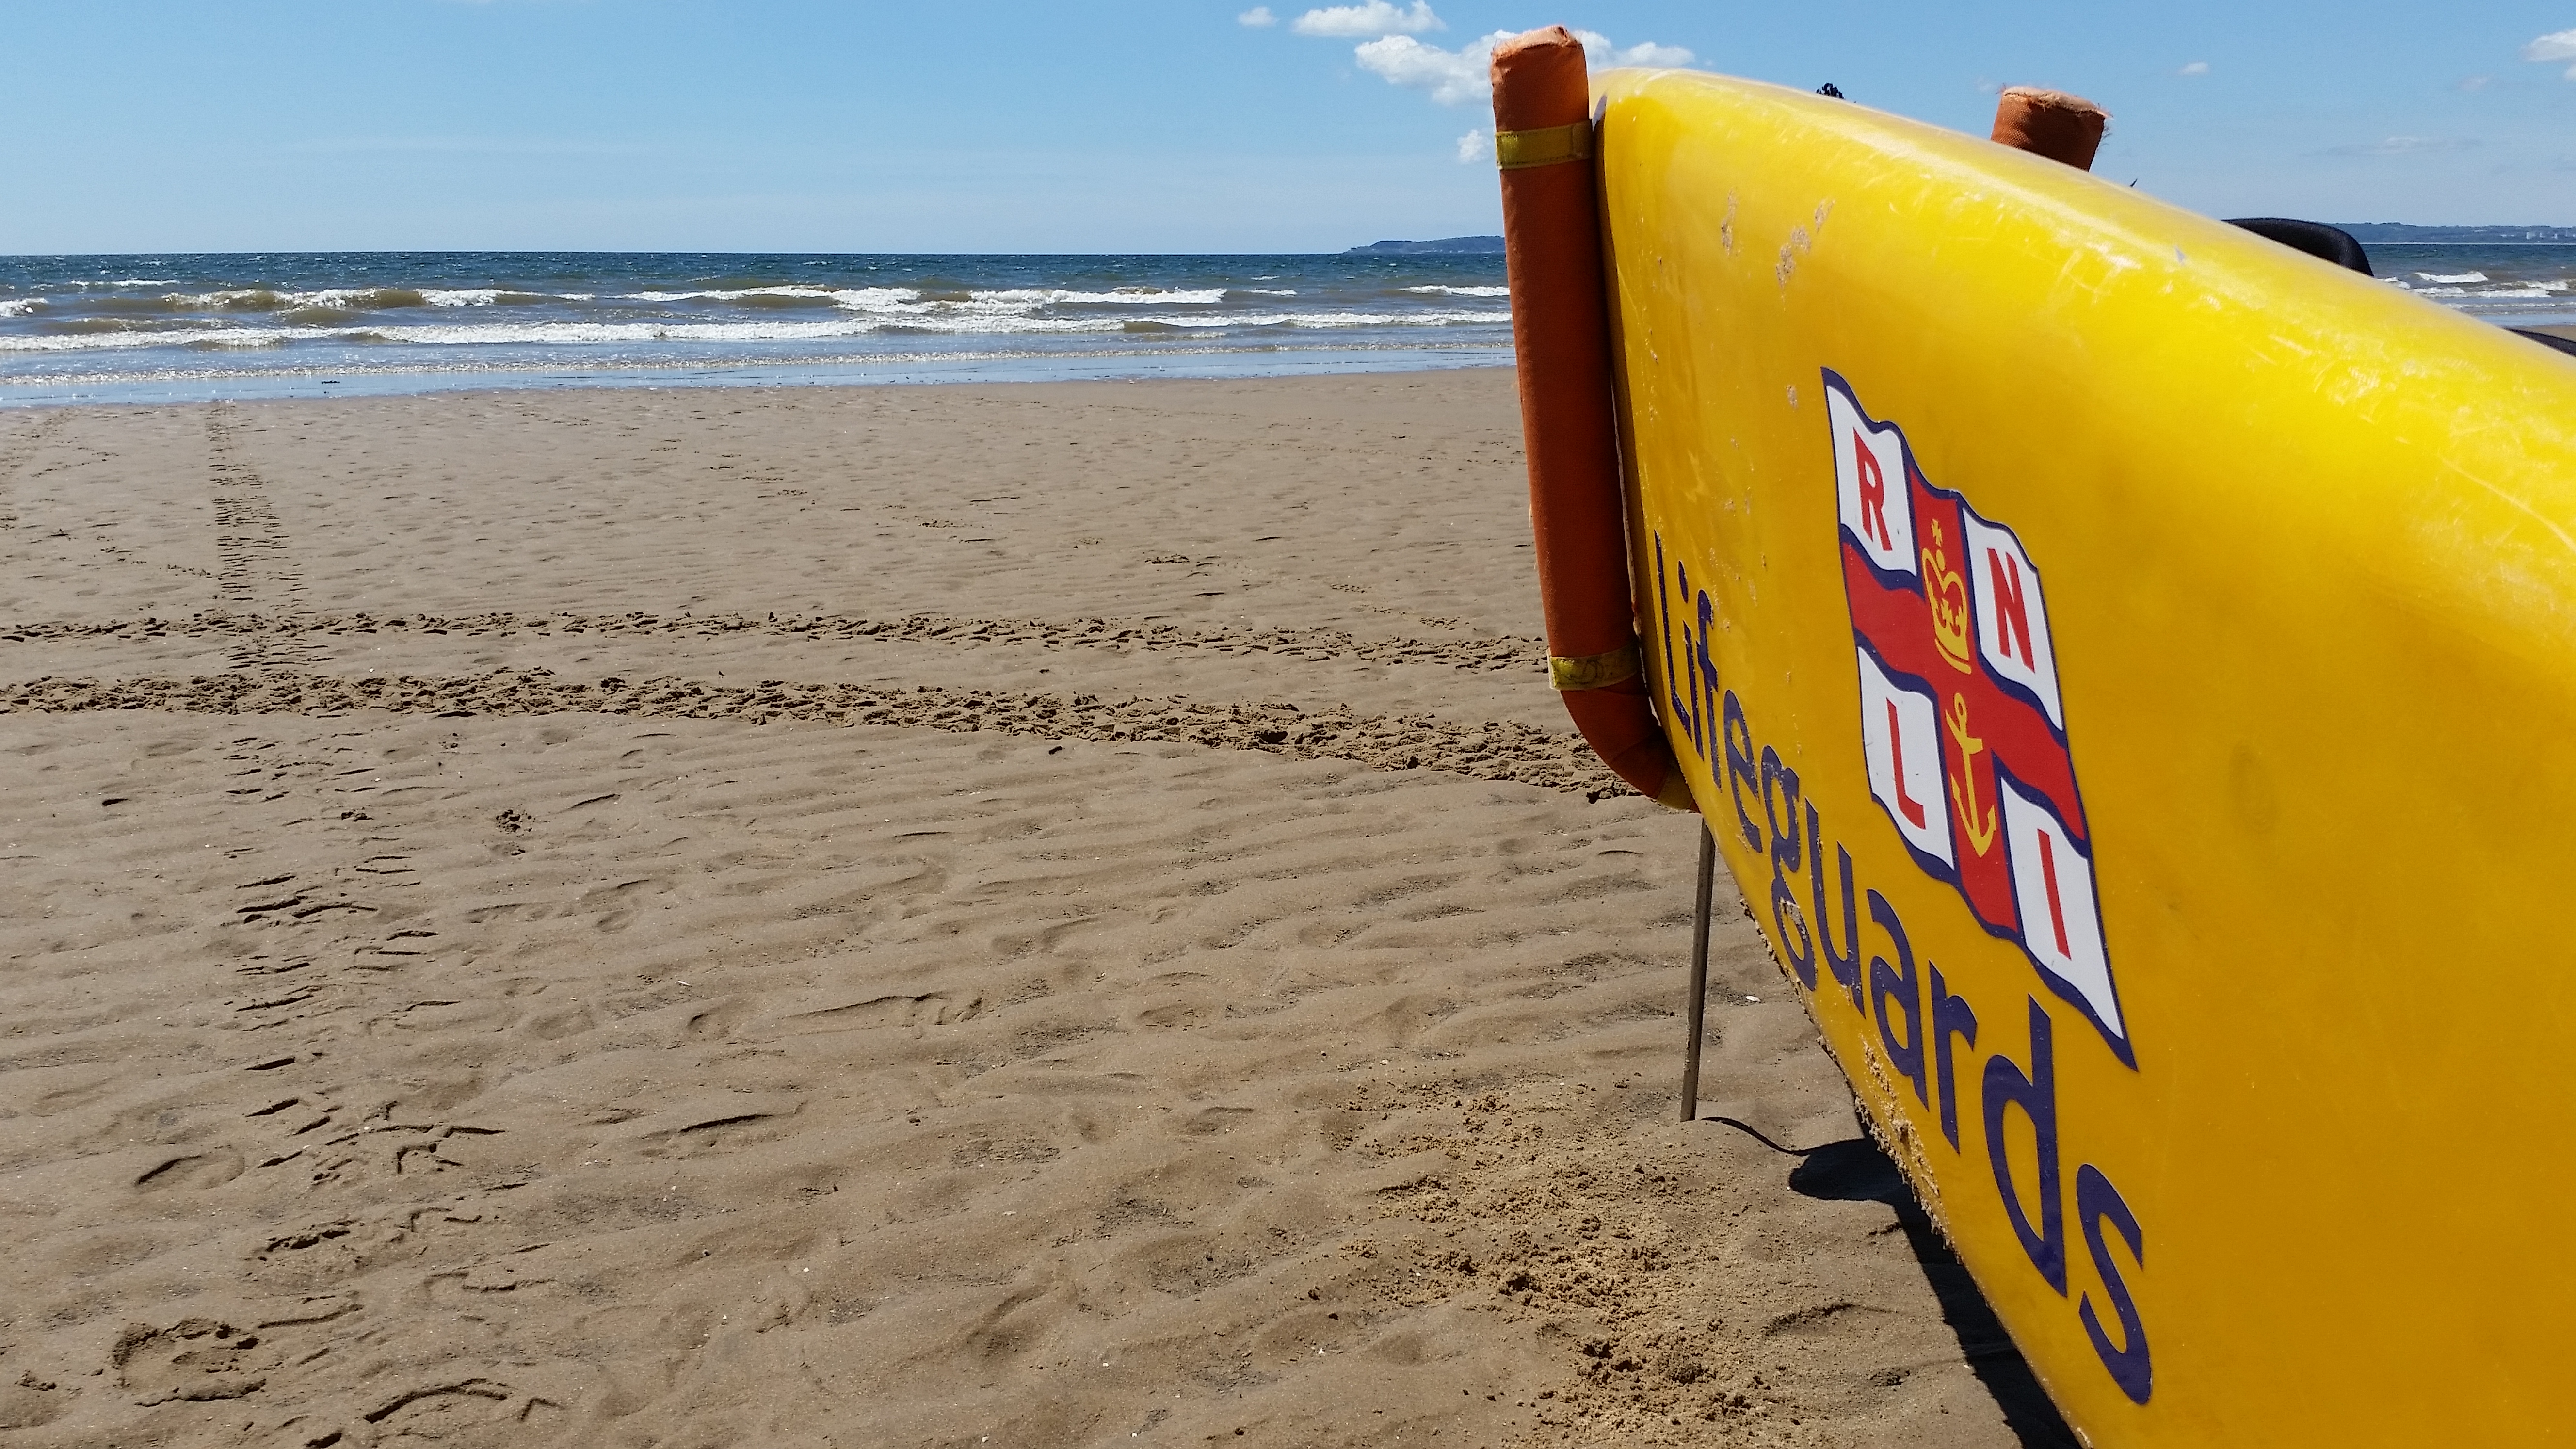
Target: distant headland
1446	244
2365	232
2386	232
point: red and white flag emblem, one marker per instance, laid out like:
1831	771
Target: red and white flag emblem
1962	726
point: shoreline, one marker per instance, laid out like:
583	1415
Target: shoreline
1007	369
986	369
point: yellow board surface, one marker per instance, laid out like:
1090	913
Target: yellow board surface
2131	669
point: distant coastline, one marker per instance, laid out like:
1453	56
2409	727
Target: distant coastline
2385	233
1444	246
2400	233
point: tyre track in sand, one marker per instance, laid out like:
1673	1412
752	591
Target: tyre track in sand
1486	653
1488	750
251	547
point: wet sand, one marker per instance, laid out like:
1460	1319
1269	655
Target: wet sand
880	917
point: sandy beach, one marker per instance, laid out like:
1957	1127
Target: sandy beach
947	916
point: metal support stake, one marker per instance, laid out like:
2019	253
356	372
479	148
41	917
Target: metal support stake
1698	1012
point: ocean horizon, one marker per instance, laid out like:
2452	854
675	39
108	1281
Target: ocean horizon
162	327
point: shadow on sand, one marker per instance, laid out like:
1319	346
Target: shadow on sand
1856	1170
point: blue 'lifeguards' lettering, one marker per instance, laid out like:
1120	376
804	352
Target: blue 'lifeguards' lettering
1951	1016
2097	1202
2035	1093
1698	706
1929	1032
1898	984
1844	963
1686	714
1739	768
1780	783
1705	667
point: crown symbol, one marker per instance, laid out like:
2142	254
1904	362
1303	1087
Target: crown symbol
1947	593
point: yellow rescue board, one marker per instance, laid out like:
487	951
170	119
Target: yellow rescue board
2130	668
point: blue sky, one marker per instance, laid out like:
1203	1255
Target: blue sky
1156	125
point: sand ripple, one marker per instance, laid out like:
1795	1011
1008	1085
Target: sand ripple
481	1015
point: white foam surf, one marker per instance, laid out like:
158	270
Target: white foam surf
564	333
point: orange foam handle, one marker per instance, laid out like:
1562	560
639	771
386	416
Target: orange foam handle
1561	336
2051	124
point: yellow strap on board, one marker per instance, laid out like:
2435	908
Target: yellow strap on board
1592	671
1545	146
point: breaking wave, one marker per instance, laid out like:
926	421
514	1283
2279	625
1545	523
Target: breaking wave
371	314
490	334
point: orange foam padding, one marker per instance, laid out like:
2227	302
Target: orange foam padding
2051	124
1616	721
1561	333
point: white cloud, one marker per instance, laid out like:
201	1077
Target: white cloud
1598	50
2559	45
1477	145
1450	76
2475	82
2555	46
1376	17
1465	74
2197	67
1258	17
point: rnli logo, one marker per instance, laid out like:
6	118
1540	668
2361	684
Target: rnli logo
1962	729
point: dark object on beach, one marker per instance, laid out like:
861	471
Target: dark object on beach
1445	246
2327	243
1561	338
2546	339
1830	89
2053	124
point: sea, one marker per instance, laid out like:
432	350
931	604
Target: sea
187	328
2519	284
129	328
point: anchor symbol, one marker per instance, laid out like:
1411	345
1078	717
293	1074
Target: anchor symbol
1980	826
